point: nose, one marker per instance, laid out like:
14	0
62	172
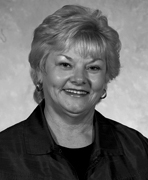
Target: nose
79	77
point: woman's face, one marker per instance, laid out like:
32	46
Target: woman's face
73	84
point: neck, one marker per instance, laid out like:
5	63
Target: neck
70	130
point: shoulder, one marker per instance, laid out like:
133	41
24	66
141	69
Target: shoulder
128	134
131	143
11	149
11	136
128	137
15	134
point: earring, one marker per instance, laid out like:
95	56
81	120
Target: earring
39	86
104	95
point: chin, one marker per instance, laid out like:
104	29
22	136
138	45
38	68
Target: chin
77	110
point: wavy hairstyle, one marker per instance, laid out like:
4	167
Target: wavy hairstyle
75	26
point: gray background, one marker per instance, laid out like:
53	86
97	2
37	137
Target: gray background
127	100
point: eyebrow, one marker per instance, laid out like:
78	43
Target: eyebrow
67	57
93	60
96	59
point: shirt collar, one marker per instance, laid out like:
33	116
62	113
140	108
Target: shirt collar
38	139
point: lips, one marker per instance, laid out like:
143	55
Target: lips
76	92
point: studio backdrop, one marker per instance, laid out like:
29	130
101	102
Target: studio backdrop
127	96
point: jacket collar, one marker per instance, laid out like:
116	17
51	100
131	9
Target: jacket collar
37	136
38	139
106	140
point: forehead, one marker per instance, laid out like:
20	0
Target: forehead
87	46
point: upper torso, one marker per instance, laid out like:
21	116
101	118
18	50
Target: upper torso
28	152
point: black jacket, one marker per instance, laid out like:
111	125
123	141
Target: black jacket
28	152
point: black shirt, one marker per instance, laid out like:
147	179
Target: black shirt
78	158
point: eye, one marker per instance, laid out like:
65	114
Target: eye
93	69
65	65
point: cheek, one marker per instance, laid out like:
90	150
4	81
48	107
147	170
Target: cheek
54	79
98	84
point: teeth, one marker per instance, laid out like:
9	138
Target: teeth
76	92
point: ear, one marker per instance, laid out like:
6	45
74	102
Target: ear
105	83
40	76
107	79
105	86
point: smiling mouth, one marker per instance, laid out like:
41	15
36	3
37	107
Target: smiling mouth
74	92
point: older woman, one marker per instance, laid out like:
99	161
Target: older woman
74	55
